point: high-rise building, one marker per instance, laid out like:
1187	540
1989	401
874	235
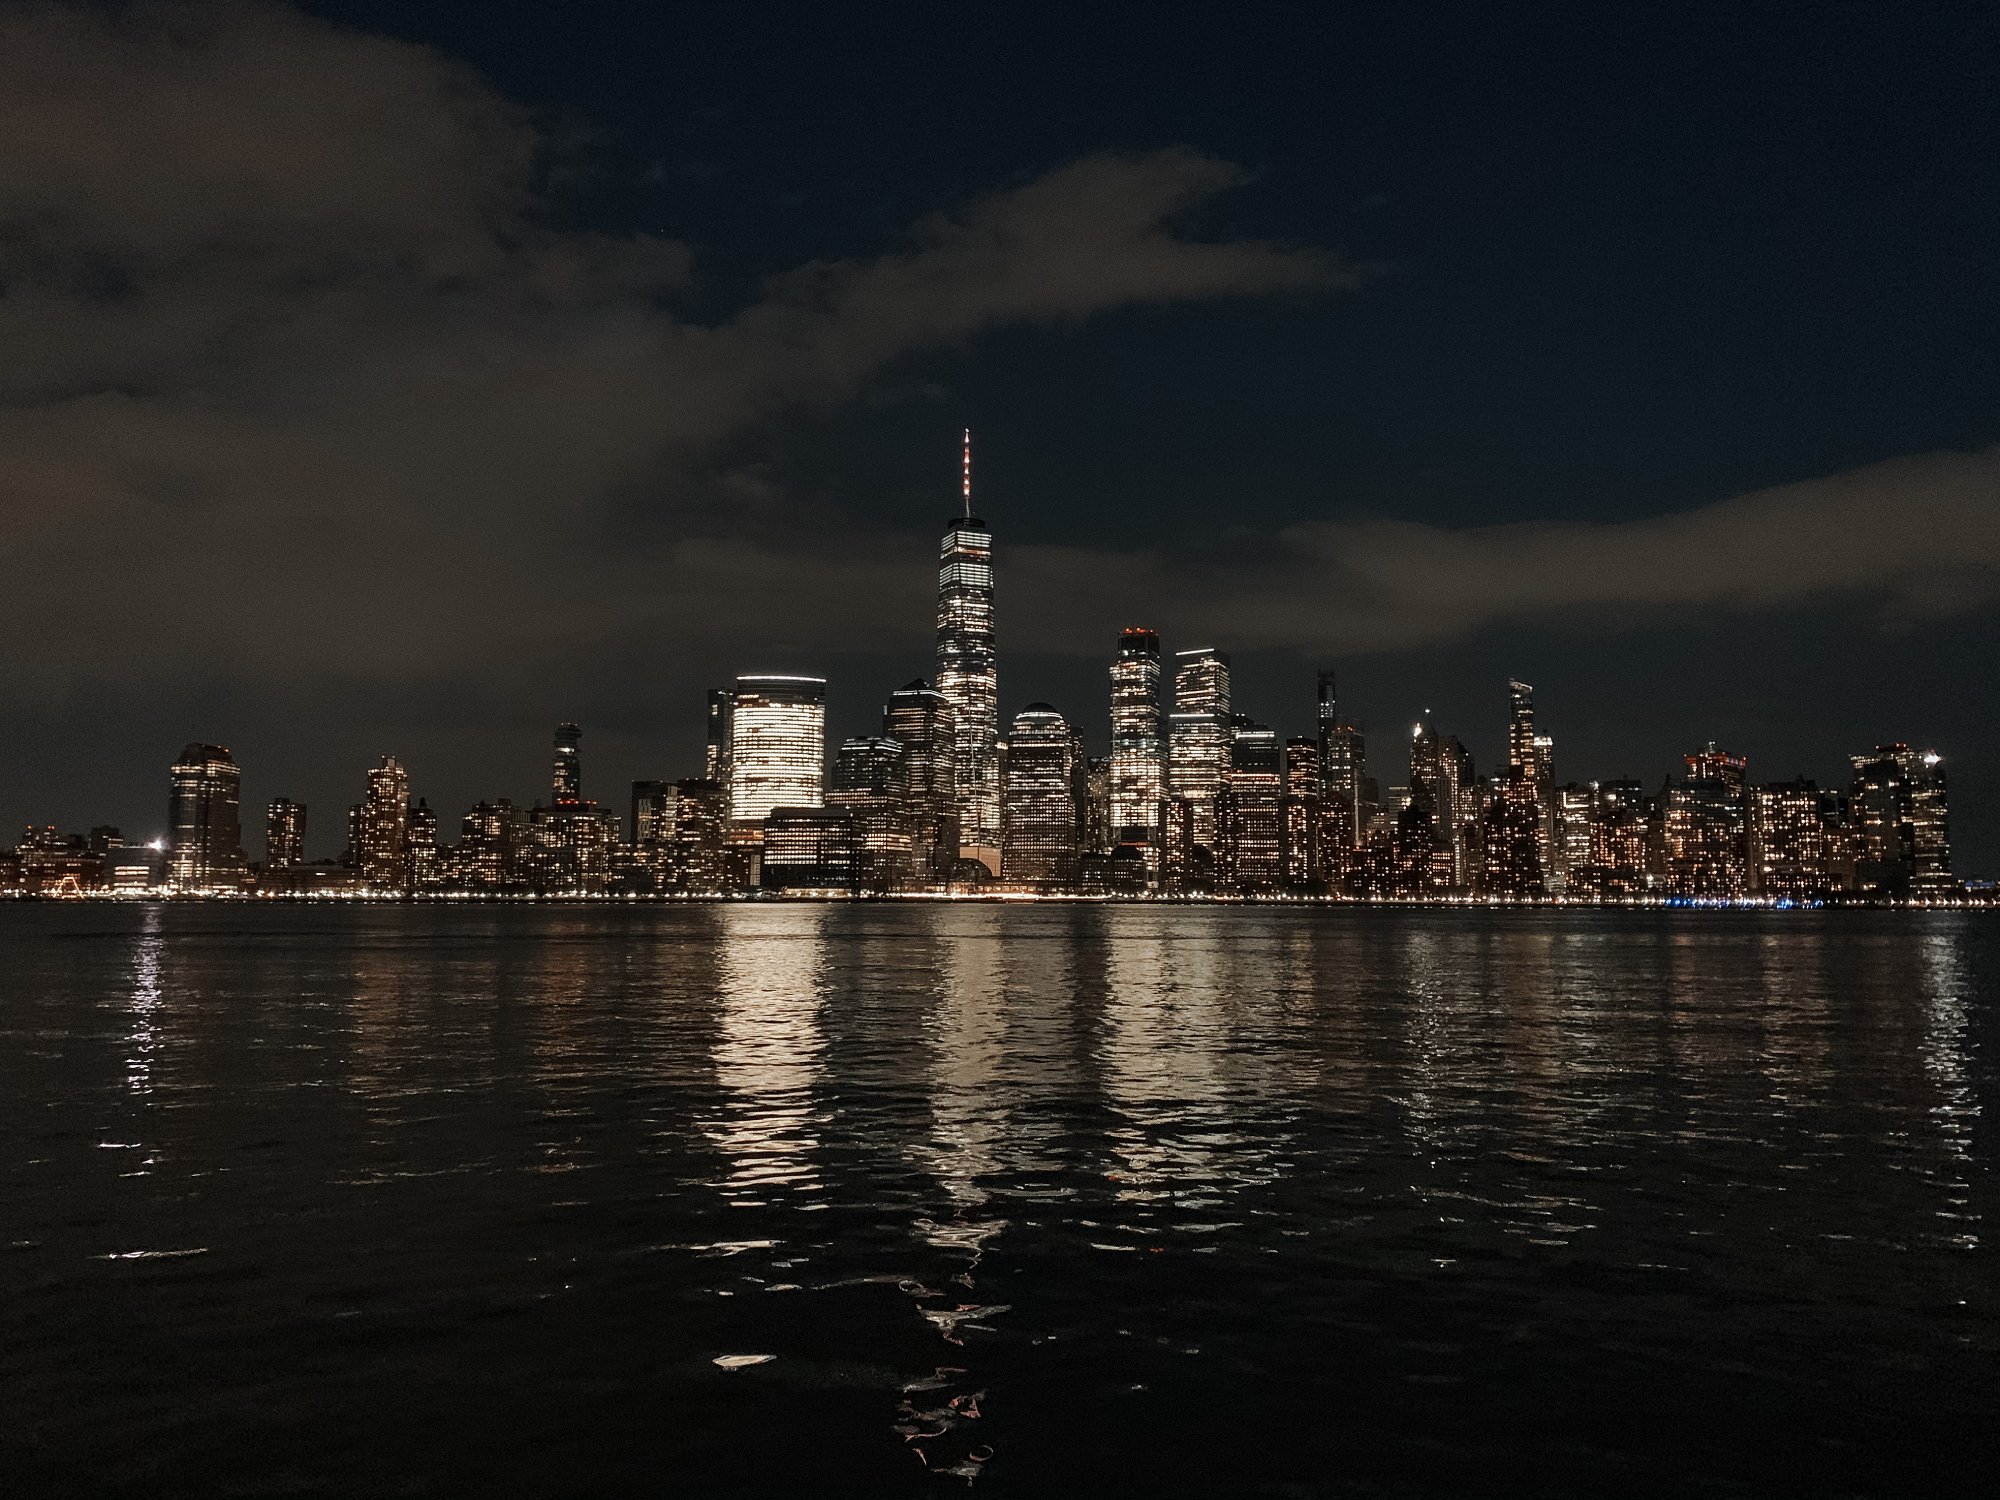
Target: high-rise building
1531	757
1788	843
811	848
1138	740
488	854
284	834
777	747
698	843
206	841
868	785
968	671
1200	735
1346	802
567	778
1043	803
384	828
421	848
1901	823
1305	785
721	703
918	718
1707	828
652	822
1249	819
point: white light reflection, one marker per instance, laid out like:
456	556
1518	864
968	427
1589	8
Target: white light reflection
142	1042
768	1051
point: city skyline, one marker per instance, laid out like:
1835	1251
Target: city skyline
1193	798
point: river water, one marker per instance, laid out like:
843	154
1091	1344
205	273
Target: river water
1040	1199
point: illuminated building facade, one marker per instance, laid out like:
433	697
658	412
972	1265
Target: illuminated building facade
566	779
1200	735
698	842
968	673
1304	783
421	848
206	838
868	785
1707	829
1043	812
1138	768
811	848
1511	845
1901	823
721	703
1788	842
918	718
383	832
284	834
777	747
652	821
1249	817
1531	758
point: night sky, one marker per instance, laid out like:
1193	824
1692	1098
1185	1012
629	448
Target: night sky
402	378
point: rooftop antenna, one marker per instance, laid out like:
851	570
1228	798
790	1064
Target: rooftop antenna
968	473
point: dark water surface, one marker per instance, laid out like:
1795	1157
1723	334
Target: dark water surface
1058	1200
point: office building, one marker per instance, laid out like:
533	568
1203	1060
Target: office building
383	842
918	718
1249	819
698	841
1789	854
1707	829
968	672
284	834
652	818
567	777
1043	811
1200	735
1138	769
811	848
868	786
205	841
1901	823
777	747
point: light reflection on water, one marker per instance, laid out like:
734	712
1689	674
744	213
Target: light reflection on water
1041	1198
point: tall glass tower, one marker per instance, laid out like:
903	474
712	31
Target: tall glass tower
777	746
1138	739
968	673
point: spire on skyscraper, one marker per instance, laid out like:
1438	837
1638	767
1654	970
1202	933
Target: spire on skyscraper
967	512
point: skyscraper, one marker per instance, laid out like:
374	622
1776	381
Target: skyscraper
421	851
567	780
777	746
1138	740
918	718
384	827
1199	735
721	702
1901	823
1304	785
1531	760
1249	828
868	784
284	834
1044	774
1707	828
207	836
968	671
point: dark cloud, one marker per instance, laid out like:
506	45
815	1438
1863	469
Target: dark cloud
296	359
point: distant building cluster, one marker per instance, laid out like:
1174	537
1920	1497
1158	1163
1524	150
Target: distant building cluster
1194	799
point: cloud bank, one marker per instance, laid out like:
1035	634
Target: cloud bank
301	379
